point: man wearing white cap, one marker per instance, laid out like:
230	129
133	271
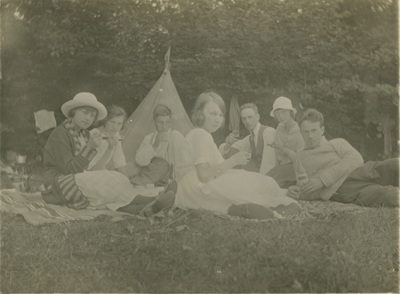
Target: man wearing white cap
258	142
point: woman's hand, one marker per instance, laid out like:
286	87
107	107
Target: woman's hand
241	158
94	140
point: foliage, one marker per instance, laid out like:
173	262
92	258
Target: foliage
340	56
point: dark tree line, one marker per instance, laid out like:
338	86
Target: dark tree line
340	56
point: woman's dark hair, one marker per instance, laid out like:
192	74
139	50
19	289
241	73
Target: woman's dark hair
72	112
113	111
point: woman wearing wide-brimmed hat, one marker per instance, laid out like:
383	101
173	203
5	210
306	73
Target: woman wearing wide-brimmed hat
68	153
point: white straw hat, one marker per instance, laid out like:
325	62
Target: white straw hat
282	103
84	99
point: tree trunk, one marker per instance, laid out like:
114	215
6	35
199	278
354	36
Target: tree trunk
387	138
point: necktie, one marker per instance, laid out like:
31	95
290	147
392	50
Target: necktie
252	143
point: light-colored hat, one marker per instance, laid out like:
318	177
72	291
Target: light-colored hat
84	99
282	103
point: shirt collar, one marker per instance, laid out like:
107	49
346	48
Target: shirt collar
256	129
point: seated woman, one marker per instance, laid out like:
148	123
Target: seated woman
109	153
288	141
68	154
213	185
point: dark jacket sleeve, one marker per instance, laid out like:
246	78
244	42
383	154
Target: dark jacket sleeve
59	153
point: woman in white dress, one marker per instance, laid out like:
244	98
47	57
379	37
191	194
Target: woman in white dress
100	185
213	185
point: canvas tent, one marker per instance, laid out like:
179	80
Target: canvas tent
140	123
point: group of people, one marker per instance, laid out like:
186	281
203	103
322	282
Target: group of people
260	176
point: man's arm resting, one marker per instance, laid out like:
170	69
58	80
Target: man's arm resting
350	159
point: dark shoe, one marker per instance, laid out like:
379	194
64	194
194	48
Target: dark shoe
132	208
164	201
51	197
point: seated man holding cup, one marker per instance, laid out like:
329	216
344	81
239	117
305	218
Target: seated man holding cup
258	142
161	154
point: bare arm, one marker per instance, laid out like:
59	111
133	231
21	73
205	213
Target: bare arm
239	145
207	172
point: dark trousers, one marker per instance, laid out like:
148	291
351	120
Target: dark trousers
376	183
157	172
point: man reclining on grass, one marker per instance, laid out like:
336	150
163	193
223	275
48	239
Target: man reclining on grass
334	170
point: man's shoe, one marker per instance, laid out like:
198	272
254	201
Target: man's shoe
164	201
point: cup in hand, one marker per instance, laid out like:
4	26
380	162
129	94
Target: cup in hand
231	139
236	134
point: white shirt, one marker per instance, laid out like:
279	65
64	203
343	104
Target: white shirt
268	159
175	151
255	132
146	151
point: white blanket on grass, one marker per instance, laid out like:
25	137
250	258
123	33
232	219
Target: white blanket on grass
37	212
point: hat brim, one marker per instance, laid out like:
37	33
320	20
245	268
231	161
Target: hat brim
273	110
69	105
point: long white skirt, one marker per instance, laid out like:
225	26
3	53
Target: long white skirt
233	187
105	189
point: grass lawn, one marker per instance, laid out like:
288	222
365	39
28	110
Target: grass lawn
199	252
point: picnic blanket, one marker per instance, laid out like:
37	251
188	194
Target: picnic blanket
323	210
316	210
37	212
